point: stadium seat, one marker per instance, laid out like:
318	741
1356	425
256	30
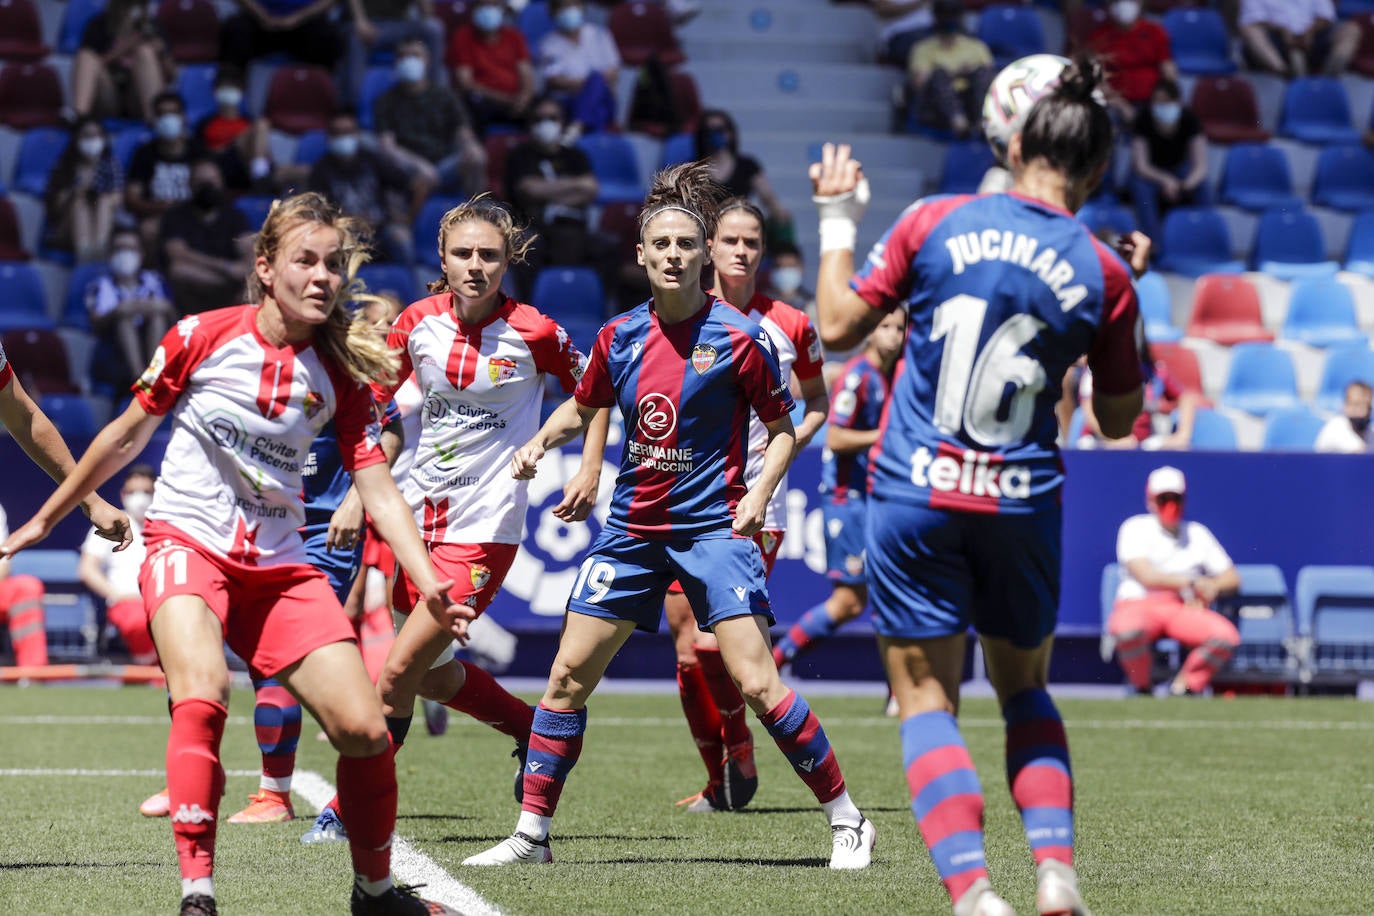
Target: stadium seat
1317	110
1081	23
1011	32
1228	110
75	16
1292	430
686	108
1199	40
24	299
621	222
1152	292
11	240
254	207
643	30
964	166
1226	310
30	96
1345	178
74	314
452	13
190	28
1343	366
1261	379
376	80
498	147
1289	245
311	146
1256	176
424	232
1321	313
677	148
569	295
1359	250
1336	612
300	98
1195	241
196	83
1181	363
69	614
43	358
1263	613
614	164
534	23
21	31
1107	213
1363	63
71	414
397	279
1212	432
127	140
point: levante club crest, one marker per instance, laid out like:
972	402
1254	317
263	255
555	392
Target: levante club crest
703	357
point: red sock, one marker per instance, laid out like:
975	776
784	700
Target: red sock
23	597
367	807
131	620
703	720
195	782
734	726
487	701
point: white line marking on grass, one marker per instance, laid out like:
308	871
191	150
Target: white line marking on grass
103	773
408	864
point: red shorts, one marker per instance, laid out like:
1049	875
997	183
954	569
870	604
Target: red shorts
477	571
769	541
377	552
271	616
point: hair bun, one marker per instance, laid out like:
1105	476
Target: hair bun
1081	78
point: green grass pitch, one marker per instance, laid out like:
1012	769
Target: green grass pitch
1252	806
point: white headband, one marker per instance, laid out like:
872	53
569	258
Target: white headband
700	222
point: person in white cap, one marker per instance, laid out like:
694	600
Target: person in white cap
1171	571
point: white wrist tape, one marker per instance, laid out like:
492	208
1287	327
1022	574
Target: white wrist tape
838	233
840	215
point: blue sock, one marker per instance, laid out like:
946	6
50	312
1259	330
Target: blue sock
1039	774
814	625
946	798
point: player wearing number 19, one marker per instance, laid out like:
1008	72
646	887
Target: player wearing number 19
1003	293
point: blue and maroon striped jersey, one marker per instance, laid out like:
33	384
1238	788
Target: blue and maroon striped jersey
856	402
685	391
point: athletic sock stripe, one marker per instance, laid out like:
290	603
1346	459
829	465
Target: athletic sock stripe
960	813
958	854
1048	827
932	792
935	763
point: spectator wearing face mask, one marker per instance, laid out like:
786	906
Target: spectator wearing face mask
425	129
160	170
129	310
113	577
949	72
1349	432
738	174
382	25
1297	37
303	30
491	66
83	193
205	244
580	66
1168	157
239	144
1136	54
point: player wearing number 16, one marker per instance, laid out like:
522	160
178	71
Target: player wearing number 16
1003	293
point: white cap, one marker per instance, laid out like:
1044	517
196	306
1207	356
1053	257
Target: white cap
1165	480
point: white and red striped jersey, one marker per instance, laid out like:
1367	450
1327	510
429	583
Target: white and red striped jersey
244	413
482	384
6	373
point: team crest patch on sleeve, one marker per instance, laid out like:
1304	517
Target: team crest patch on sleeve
480	574
501	370
703	357
155	367
312	403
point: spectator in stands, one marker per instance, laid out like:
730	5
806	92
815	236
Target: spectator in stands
580	65
160	170
1136	54
21	607
122	63
238	144
382	25
1171	571
130	311
1297	37
204	242
740	175
303	30
787	279
949	72
363	183
1168	157
1349	432
1166	420
903	23
113	577
491	66
425	129
83	193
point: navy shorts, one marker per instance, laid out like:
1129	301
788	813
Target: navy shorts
933	572
339	566
625	578
844	541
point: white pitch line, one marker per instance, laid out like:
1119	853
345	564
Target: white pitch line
409	864
103	773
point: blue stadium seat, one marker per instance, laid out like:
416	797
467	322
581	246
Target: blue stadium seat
1317	110
534	23
568	293
1345	178
1289	245
128	139
964	166
71	414
254	207
424	232
677	148
1212	431
1292	430
74	18
1200	42
1256	176
1343	366
69	615
311	146
196	83
1336	612
1195	241
1263	613
1321	312
1098	214
393	278
1261	380
1153	294
1011	32
377	80
615	166
39	151
1359	249
74	314
24	300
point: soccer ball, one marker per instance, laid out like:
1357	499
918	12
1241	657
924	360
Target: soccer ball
1013	93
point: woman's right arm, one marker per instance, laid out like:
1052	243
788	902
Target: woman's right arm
565	424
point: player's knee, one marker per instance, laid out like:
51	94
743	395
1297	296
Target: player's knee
847	605
564	684
756	684
200	685
358	736
440	684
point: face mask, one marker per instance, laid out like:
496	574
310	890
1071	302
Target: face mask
1171	512
717	140
91	147
228	97
1359	424
168	126
547	132
207	196
137	502
1126	12
345	146
410	69
570	19
125	263
787	279
487	18
1166	113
